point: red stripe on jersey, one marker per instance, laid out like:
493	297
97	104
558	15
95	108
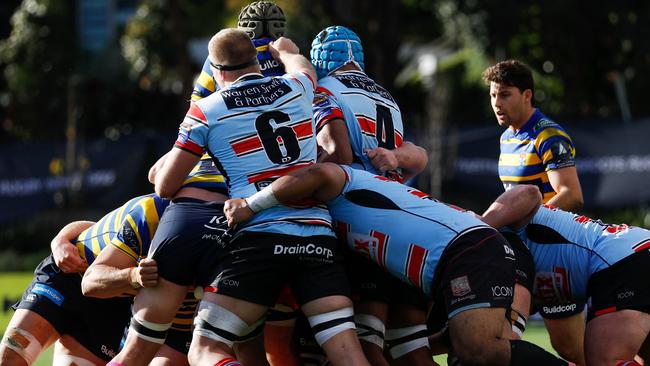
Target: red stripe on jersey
367	125
335	113
248	145
382	240
197	113
642	246
604	311
399	140
324	90
190	147
342	230
313	83
303	129
275	173
415	264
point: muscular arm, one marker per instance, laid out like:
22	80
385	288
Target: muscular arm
514	207
411	158
155	168
322	182
175	168
286	51
114	273
569	193
335	143
65	253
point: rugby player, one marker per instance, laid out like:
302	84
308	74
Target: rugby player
258	128
536	150
360	124
579	259
420	241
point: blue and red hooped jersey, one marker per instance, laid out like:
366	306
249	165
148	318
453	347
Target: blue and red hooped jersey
569	248
372	116
258	129
398	227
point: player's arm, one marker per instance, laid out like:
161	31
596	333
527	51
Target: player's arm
177	165
155	168
411	158
514	207
65	253
567	186
284	50
334	143
321	182
114	273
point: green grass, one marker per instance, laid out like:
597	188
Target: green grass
13	284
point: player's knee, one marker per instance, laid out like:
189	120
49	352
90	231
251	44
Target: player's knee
69	360
370	329
402	341
328	325
222	325
23	343
149	331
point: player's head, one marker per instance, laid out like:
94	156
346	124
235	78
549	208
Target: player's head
231	50
262	19
335	47
511	91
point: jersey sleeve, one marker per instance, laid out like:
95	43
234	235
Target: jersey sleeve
555	148
205	84
193	131
325	108
305	82
128	240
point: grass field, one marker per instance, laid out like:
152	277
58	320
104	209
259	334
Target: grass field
12	286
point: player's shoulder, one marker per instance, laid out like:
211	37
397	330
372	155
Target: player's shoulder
543	125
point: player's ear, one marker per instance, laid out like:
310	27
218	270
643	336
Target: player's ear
528	96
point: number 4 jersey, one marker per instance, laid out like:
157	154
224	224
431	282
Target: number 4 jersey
258	129
371	114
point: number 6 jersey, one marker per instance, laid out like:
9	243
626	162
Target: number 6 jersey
256	130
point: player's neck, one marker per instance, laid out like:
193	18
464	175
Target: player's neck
515	127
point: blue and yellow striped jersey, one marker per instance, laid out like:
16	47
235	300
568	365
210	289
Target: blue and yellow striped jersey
130	228
206	175
527	154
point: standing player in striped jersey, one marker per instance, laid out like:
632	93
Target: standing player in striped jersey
460	262
258	128
536	150
360	124
578	260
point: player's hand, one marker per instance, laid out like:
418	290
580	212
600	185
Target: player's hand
236	211
145	274
282	44
67	258
382	159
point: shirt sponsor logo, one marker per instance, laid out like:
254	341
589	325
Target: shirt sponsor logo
107	351
229	282
460	286
508	250
559	308
217	223
502	291
48	292
552	286
303	249
255	95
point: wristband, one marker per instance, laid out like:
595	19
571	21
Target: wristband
262	200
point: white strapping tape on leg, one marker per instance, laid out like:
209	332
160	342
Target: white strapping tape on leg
157	331
401	349
370	329
212	317
23	343
69	360
327	325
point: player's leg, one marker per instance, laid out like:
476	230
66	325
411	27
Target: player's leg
69	352
26	337
221	321
615	336
567	337
168	356
153	311
370	318
279	332
331	319
407	335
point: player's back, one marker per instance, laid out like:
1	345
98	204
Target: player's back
141	213
572	247
372	116
259	129
399	227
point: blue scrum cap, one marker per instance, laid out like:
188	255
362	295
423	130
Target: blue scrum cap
334	47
